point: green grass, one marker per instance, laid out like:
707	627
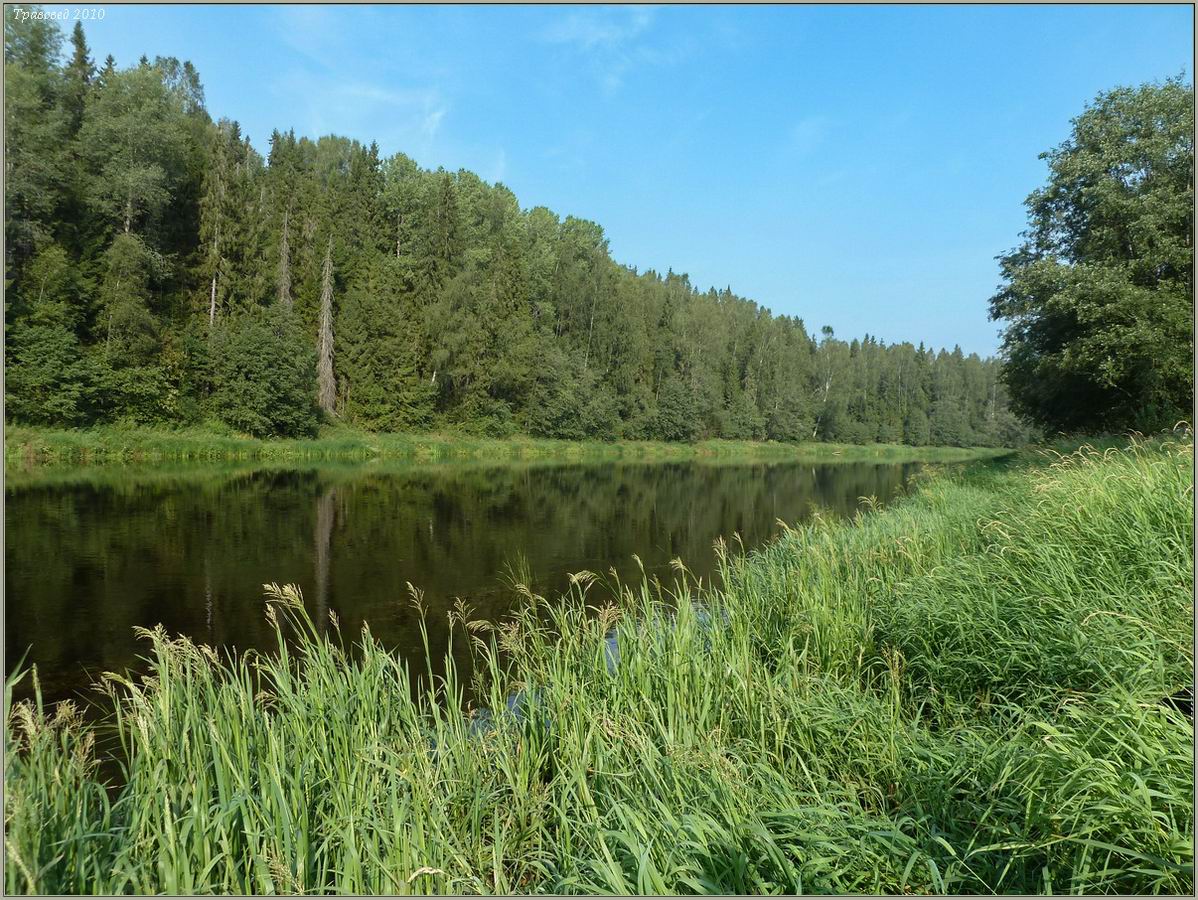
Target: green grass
959	693
109	444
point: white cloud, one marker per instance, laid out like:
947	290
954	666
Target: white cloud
593	28
615	41
400	118
314	31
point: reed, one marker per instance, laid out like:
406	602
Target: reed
960	693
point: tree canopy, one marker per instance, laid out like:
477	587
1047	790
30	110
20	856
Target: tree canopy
1098	298
160	270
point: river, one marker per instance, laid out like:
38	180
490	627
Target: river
91	553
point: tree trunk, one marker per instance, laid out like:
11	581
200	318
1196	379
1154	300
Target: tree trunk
823	406
590	330
327	394
215	272
285	267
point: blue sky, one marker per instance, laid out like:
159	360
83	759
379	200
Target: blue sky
856	166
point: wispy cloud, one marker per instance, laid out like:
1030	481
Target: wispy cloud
314	31
408	118
616	41
593	28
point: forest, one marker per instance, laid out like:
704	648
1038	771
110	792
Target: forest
160	271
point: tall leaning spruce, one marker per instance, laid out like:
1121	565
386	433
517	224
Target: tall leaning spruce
326	381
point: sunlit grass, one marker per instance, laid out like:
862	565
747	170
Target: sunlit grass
110	444
960	693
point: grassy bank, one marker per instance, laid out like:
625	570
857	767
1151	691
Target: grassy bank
959	693
40	446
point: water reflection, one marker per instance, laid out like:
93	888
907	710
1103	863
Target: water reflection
91	554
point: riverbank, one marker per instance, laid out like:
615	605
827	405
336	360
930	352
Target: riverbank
92	446
959	693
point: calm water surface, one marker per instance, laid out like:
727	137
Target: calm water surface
91	554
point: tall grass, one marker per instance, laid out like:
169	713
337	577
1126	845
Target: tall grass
114	444
961	693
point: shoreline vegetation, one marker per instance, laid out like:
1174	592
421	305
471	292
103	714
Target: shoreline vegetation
29	446
965	692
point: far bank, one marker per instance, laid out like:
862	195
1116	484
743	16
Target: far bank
105	444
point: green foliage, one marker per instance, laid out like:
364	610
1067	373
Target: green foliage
553	410
676	413
571	405
134	139
445	304
130	328
45	379
35	127
57	452
916	429
1098	298
484	415
264	376
376	353
948	425
134	394
746	422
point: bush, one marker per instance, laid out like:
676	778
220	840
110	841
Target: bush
677	412
47	379
264	376
488	417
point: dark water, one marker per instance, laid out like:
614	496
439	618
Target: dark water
89	555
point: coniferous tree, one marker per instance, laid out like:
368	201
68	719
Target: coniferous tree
79	75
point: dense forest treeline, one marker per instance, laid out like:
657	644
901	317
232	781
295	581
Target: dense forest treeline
160	271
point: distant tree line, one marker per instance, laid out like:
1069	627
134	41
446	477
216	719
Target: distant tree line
159	270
